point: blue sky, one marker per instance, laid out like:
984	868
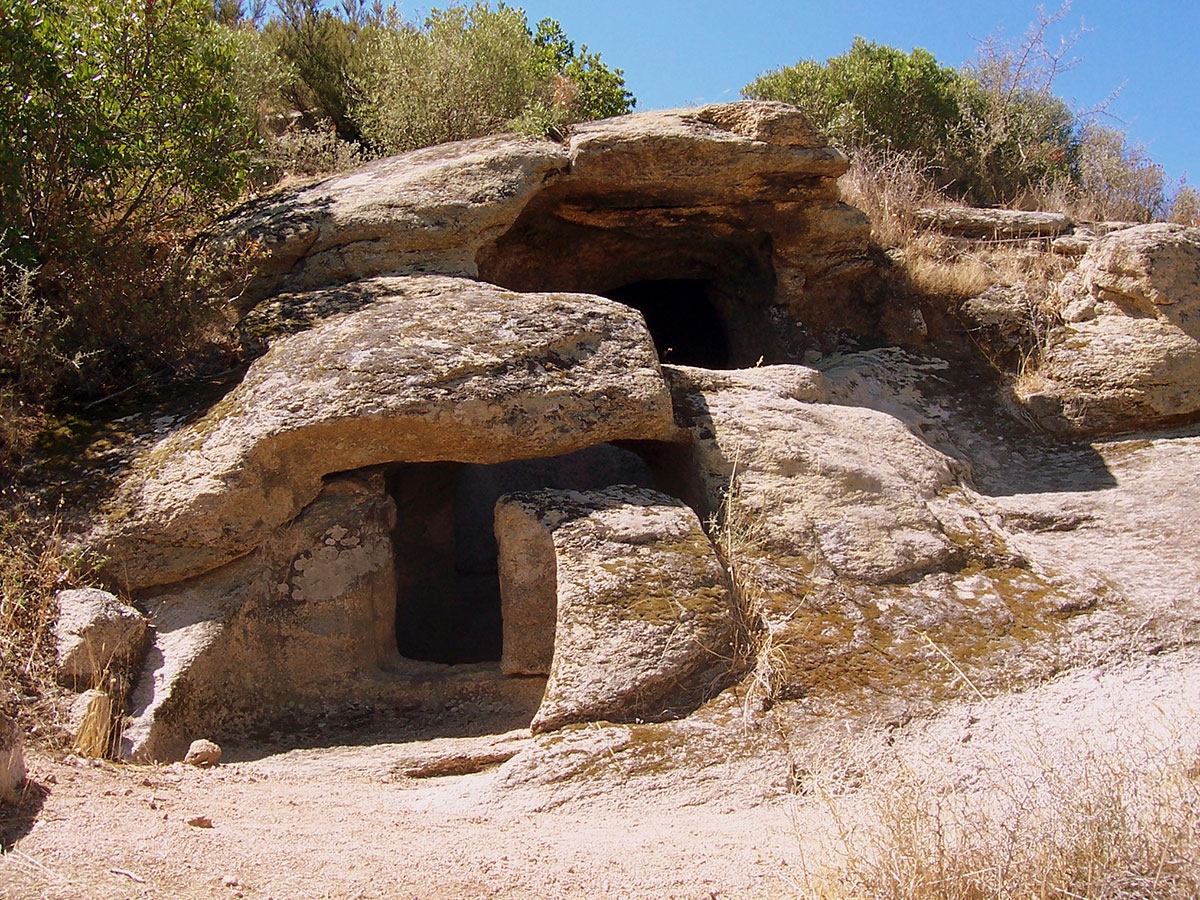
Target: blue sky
684	52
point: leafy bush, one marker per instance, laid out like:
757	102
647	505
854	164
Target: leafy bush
117	136
467	72
475	70
324	53
990	133
873	96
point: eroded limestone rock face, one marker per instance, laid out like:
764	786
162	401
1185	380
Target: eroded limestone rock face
1128	355
431	368
742	196
429	210
308	620
817	479
622	593
437	312
98	636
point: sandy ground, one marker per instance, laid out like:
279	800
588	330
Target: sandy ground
714	806
349	823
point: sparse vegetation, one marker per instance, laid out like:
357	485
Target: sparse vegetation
1111	824
991	133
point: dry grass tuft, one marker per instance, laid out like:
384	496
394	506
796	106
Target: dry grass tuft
34	566
737	530
1108	824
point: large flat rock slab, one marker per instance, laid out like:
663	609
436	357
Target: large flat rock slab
432	369
622	593
427	210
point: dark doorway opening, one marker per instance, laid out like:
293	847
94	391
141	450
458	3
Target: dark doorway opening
447	582
686	326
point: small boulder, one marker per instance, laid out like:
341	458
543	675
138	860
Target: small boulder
97	635
1128	353
203	753
12	761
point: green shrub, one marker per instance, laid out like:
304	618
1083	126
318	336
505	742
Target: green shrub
873	96
118	137
323	53
475	70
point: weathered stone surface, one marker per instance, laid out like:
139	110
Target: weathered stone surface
711	153
740	194
12	760
743	196
1150	271
428	210
1001	318
434	369
813	478
643	614
528	588
306	621
202	752
1128	355
97	636
969	222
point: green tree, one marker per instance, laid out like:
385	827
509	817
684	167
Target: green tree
591	91
117	134
873	96
474	70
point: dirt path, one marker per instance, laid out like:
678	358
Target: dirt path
348	823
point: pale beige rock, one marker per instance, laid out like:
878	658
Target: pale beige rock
306	621
1150	271
1128	354
98	636
528	588
12	760
202	752
643	614
428	210
436	369
743	195
846	484
971	222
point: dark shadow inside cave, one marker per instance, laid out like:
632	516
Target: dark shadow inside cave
447	583
706	288
686	327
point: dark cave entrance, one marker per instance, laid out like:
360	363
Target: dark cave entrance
705	286
447	582
679	312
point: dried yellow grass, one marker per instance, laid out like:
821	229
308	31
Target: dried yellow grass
95	734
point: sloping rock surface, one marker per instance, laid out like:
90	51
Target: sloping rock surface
817	479
1128	355
428	210
432	368
656	195
643	614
